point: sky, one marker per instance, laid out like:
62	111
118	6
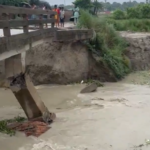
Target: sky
67	2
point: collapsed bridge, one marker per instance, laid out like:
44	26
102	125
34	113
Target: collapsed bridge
14	47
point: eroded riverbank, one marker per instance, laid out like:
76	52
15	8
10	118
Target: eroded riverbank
116	117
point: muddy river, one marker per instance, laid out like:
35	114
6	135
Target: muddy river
116	117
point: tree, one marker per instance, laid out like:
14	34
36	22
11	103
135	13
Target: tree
84	4
44	3
34	2
118	14
12	2
97	6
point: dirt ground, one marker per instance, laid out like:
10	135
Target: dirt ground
116	117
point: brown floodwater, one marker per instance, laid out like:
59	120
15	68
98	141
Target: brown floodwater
116	117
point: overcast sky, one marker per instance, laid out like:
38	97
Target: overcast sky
53	2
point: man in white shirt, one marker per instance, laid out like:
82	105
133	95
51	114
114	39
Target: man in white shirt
62	16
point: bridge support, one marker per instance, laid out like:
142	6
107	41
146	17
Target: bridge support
23	89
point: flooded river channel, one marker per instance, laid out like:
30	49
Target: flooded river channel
116	117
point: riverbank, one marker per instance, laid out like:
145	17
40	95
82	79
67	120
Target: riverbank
113	118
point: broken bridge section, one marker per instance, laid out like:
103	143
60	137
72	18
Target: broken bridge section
11	49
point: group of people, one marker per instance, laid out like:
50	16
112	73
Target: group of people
59	16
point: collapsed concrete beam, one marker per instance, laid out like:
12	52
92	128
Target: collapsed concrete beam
23	89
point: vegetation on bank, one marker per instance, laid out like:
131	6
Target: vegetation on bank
3	125
137	25
137	12
133	19
106	44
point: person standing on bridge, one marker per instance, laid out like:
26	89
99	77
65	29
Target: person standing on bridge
45	15
62	16
76	15
57	18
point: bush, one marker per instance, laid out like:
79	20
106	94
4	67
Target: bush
141	25
119	14
144	10
133	12
106	44
140	11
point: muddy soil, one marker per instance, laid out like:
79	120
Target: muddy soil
116	117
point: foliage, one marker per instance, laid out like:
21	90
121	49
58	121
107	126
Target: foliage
12	2
106	44
84	4
141	25
140	11
118	14
44	3
132	13
115	5
97	6
93	7
34	2
137	12
39	3
3	125
123	6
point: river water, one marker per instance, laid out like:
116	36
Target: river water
116	117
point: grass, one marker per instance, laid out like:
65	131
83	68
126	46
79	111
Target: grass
3	125
106	44
137	25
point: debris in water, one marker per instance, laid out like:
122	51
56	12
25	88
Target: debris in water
89	88
82	82
30	128
101	99
147	141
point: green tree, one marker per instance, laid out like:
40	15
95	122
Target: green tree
84	4
34	2
44	3
139	11
133	12
97	6
119	14
144	10
12	2
115	5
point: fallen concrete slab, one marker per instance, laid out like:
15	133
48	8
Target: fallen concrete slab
90	88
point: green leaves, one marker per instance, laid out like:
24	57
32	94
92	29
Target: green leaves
140	11
84	4
119	14
107	44
12	2
3	125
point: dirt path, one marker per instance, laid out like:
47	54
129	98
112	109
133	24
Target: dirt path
116	117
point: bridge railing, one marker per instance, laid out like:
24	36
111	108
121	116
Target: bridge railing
14	44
